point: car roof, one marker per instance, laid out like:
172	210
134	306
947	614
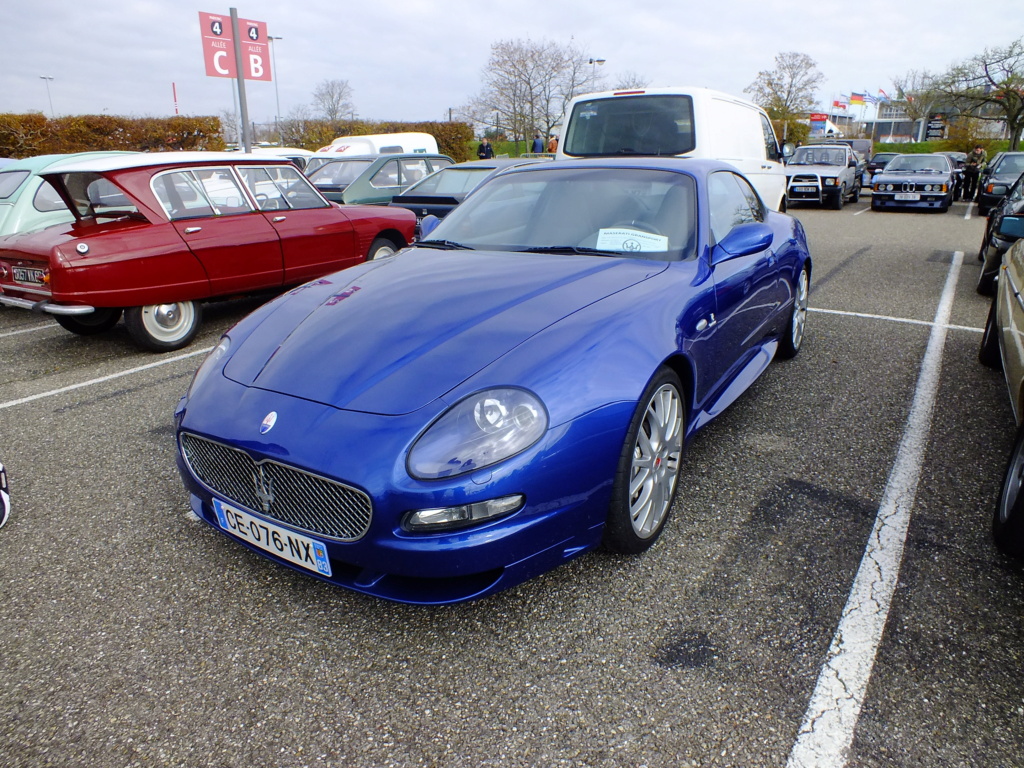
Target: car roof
386	155
643	162
41	162
149	159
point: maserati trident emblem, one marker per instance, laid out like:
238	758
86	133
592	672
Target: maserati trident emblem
264	490
268	422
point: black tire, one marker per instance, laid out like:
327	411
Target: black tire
855	197
97	321
988	354
164	327
650	460
991	260
1008	520
839	199
381	248
793	336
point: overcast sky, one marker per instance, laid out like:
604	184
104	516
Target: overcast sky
415	59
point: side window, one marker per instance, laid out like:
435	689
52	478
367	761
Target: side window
279	188
47	199
728	205
771	145
181	196
757	209
413	171
387	176
223	191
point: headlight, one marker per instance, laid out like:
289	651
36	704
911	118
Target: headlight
477	432
830	182
215	356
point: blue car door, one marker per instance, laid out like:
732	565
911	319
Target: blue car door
747	289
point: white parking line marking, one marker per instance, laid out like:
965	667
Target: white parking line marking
862	210
101	379
890	319
827	730
47	326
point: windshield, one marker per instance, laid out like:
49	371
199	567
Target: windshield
818	156
631	125
339	172
1010	165
10	181
919	163
450	181
631	212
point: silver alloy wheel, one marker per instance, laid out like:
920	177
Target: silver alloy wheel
655	466
799	310
168	322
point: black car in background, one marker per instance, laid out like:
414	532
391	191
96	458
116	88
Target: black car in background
914	181
875	164
958	159
997	178
995	243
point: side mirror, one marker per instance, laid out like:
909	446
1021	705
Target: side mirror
743	241
1012	226
1000	189
788	149
428	225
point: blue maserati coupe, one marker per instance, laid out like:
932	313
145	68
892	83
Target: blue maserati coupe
512	391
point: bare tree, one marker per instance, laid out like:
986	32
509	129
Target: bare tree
333	99
628	81
527	85
789	91
918	96
990	86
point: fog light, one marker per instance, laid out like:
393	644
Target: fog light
448	518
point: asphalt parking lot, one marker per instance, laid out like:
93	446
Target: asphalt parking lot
133	635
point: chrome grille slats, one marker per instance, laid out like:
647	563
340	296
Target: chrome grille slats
297	498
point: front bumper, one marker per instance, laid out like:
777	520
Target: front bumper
565	479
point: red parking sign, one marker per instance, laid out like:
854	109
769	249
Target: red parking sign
219	52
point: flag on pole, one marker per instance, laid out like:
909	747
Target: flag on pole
857	99
883	96
869	99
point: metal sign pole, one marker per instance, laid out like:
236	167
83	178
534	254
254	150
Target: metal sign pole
240	77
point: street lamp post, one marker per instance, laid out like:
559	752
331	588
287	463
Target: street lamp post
47	79
277	96
593	69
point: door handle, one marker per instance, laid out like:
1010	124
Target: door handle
278	218
192	230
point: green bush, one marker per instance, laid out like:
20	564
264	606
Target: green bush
34	134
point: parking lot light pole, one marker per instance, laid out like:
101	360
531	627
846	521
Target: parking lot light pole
49	98
593	69
277	96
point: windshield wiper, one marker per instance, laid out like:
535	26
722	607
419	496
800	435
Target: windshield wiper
444	245
567	249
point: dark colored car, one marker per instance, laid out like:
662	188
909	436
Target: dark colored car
996	242
156	234
513	391
372	179
439	193
957	159
875	164
997	178
914	181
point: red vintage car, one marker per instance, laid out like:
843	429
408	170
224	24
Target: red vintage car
156	234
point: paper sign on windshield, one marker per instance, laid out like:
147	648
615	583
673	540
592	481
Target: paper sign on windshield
630	241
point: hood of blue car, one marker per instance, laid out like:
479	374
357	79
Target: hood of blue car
391	336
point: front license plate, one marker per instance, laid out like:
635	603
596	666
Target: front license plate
805	189
907	196
26	275
301	550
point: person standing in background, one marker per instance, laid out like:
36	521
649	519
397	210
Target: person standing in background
972	168
485	151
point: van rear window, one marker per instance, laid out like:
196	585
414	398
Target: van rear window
644	124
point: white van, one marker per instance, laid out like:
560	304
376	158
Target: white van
383	144
687	122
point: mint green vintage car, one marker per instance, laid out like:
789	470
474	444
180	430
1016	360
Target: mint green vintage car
27	202
372	179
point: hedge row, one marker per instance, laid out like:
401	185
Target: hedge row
35	134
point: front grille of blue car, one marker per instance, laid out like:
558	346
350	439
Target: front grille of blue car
288	495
